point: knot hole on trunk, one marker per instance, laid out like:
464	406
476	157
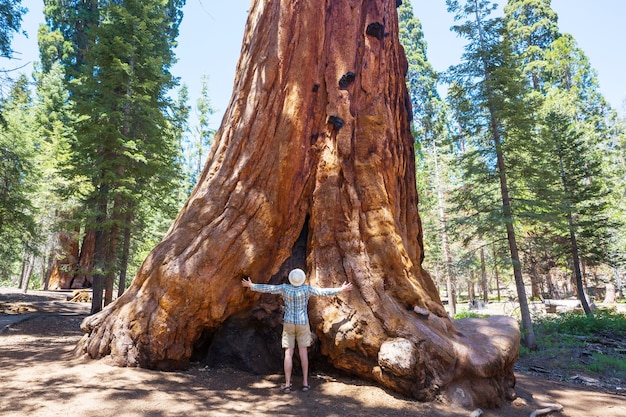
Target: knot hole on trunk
346	79
336	121
376	30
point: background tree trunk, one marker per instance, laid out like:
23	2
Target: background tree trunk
83	278
314	166
64	256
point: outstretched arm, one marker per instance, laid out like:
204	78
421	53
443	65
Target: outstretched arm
271	289
327	292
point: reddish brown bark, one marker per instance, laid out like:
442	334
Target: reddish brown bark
83	278
313	166
64	261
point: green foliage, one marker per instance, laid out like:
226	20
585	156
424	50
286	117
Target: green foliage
560	336
563	172
466	314
18	179
196	145
603	322
11	13
433	150
606	363
531	26
123	153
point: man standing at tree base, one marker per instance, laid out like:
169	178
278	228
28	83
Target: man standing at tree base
296	328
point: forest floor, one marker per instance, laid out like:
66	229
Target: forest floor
40	376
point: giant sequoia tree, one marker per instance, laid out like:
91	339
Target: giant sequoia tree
313	166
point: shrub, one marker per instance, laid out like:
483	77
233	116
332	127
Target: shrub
603	322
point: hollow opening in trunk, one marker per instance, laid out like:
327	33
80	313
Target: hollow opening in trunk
255	333
297	259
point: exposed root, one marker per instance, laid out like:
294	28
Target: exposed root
546	410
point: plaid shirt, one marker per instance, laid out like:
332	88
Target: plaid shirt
296	299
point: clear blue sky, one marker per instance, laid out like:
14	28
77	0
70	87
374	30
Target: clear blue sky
212	30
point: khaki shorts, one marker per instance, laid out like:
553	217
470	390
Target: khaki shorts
296	332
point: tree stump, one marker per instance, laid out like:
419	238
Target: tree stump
610	294
313	166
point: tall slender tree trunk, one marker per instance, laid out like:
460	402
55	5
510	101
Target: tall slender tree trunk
111	255
535	291
49	265
100	252
313	166
578	276
484	284
507	212
125	252
580	286
450	281
28	263
527	324
25	262
496	273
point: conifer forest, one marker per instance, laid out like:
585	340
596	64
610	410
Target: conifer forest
520	160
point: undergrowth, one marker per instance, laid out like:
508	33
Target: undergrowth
604	322
466	314
572	342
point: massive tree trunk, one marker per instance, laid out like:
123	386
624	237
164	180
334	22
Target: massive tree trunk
64	260
84	278
313	166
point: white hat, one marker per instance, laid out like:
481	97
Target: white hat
297	277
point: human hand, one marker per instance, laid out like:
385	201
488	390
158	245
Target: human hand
346	286
246	282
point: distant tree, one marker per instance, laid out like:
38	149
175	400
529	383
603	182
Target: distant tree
429	125
575	118
489	85
54	123
576	115
531	27
578	195
615	166
11	13
202	132
125	146
18	179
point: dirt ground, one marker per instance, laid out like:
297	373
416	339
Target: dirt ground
40	376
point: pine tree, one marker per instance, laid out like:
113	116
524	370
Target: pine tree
429	126
11	13
532	25
495	116
574	117
54	120
125	147
18	179
202	133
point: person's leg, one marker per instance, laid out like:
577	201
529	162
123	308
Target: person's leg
303	337
288	366
304	361
289	344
